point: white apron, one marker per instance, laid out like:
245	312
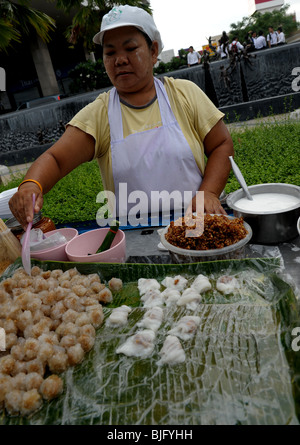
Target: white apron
156	162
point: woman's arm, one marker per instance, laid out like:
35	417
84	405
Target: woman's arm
218	147
72	149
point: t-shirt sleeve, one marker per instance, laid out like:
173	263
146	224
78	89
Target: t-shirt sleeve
195	113
93	120
204	114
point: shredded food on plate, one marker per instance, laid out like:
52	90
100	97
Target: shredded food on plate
219	231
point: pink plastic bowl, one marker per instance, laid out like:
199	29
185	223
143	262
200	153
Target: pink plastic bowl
56	253
77	250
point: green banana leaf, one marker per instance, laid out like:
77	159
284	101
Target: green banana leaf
240	367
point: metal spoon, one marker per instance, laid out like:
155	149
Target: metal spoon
238	174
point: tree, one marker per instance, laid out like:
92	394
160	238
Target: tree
88	76
259	21
88	16
19	19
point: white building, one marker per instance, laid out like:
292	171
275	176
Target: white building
264	5
166	56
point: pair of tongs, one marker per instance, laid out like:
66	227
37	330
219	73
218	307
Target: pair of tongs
26	244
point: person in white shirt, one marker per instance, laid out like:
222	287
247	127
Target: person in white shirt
260	41
280	36
222	50
193	57
272	37
235	46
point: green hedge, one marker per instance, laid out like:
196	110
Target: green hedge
267	153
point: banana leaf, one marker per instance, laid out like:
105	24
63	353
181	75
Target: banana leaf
240	367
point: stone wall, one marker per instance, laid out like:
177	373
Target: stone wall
265	77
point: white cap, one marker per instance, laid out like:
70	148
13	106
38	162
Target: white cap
129	16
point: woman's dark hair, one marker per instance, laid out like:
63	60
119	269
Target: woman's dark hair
147	38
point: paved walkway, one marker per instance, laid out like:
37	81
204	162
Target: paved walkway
275	119
6	173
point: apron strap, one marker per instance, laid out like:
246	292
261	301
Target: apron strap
167	115
115	116
115	113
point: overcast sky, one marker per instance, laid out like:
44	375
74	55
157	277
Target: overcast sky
200	19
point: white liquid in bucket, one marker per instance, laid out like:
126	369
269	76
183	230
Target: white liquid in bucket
267	202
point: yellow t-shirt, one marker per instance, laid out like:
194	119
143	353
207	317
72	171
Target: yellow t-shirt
194	111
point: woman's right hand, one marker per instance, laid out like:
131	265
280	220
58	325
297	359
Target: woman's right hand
20	203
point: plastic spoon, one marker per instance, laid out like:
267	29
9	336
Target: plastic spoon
238	174
26	245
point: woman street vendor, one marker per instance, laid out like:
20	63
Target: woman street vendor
146	133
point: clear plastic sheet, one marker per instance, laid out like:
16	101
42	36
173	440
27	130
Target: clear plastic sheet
38	241
271	251
239	367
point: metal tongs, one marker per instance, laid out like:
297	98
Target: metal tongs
238	174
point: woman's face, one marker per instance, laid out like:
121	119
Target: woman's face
128	59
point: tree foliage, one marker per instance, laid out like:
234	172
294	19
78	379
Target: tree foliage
175	63
88	16
259	21
19	19
88	76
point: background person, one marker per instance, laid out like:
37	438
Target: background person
260	41
148	133
250	41
272	37
280	36
222	50
193	57
235	46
